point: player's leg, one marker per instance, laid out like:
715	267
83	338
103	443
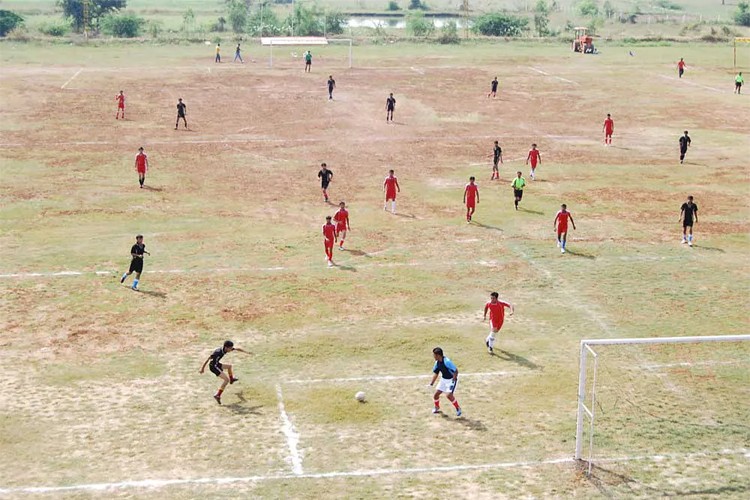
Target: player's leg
224	382
436	401
453	399
690	235
393	206
342	234
228	368
125	276
563	240
490	340
137	277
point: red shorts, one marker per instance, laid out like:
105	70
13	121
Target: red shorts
471	204
141	170
495	325
328	243
608	133
390	196
533	164
340	227
121	106
562	230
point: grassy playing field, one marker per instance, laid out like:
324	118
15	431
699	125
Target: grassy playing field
102	384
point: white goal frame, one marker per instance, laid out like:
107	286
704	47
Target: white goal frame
587	409
288	41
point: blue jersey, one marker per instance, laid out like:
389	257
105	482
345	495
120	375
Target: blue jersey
445	367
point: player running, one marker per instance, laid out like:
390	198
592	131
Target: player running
330	235
217	367
449	379
391	187
331	86
341	218
325	177
681	68
497	157
518	184
238	54
471	198
390	106
181	113
120	98
496	308
684	145
141	165
608	128
493	89
534	157
308	62
136	264
738	81
688	216
561	223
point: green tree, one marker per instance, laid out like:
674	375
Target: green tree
588	8
449	33
264	22
335	22
417	5
122	25
498	24
609	9
73	9
188	21
418	25
9	21
237	15
742	14
541	18
393	5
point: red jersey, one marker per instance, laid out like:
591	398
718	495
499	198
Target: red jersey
562	221
471	193
533	156
140	162
390	185
609	125
681	64
497	312
120	100
329	232
341	218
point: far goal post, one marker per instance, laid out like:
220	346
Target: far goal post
737	40
302	41
659	396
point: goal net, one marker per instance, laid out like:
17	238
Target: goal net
293	48
663	397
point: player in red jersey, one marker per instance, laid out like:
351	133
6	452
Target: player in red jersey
608	128
471	198
496	308
534	157
330	235
681	67
120	98
561	223
341	218
141	165
391	187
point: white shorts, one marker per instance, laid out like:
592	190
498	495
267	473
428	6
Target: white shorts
447	385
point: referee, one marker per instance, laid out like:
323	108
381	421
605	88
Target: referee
518	184
136	264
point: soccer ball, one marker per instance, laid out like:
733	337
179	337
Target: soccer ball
360	396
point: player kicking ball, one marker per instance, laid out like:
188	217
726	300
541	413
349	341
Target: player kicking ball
448	380
561	223
341	218
496	308
217	367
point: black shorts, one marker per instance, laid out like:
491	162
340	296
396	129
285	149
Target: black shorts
136	265
518	193
216	369
687	223
324	185
390	109
495	161
180	115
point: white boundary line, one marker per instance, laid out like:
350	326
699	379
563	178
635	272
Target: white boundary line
292	437
71	79
687	82
161	483
425	376
551	76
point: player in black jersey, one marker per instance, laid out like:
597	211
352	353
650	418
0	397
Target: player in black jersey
390	106
136	264
684	145
217	367
181	113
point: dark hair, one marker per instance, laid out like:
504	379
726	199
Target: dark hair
437	351
494	294
564	205
471	178
391	171
140	149
228	343
328	217
690	197
686	132
323	164
137	236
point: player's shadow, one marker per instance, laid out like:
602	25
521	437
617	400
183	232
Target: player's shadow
528	211
149	188
344	267
710	249
602	478
504	355
474	425
241	408
486	226
154	293
406	216
581	254
621	147
356	253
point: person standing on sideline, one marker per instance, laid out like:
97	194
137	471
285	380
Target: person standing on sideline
136	262
141	166
493	89
217	367
448	373
325	177
534	157
218	53
688	216
120	98
391	187
518	184
341	218
738	81
608	128
497	156
471	198
237	54
496	308
561	223
684	145
181	113
390	106
331	86
329	238
681	68
308	61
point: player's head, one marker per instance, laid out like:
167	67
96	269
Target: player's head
121	90
179	99
471	179
228	345
497	143
342	204
323	165
608	115
437	353
328	219
686	132
690	199
494	296
140	149
533	146
330	77
564	206
391	94
518	174
139	238
390	172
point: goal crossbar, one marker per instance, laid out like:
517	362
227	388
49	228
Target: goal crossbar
288	41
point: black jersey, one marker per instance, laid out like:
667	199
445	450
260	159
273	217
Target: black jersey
216	356
497	152
331	83
684	142
494	85
390	103
137	250
325	177
690	212
181	109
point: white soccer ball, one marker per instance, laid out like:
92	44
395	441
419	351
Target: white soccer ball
360	396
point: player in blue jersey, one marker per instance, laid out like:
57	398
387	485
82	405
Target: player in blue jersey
448	380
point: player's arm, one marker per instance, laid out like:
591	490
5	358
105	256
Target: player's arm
682	214
571	220
695	214
539	156
477	195
509	306
147	165
241	350
203	368
501	156
348	224
434	378
465	190
398	188
557	217
486	308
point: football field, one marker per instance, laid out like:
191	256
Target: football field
102	395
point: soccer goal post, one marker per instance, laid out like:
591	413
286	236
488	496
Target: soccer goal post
665	395
738	40
301	41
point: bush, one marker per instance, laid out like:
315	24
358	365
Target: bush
155	28
122	25
498	24
418	25
668	4
541	18
588	8
609	9
9	21
335	22
55	29
742	14
417	5
393	5
237	15
220	25
271	23
449	33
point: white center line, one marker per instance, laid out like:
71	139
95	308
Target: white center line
71	79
